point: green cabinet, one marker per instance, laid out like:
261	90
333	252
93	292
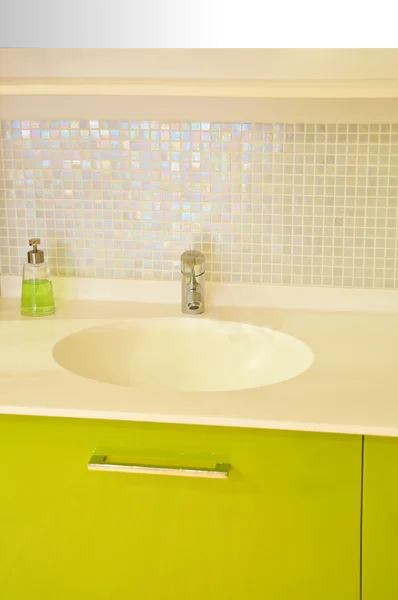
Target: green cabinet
380	519
284	525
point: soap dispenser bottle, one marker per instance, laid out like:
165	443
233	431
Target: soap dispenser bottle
37	291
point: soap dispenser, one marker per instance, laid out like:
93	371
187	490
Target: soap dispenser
37	291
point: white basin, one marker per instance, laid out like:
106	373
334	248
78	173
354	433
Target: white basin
183	354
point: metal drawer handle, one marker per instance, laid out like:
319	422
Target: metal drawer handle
98	463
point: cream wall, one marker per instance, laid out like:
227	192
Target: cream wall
204	109
274	63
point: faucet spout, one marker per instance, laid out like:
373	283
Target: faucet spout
193	282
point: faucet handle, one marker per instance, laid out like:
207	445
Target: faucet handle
193	263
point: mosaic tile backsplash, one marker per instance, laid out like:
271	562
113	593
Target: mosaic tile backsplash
299	204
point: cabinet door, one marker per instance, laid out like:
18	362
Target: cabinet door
284	525
380	519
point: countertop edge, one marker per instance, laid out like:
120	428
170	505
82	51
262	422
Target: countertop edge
196	420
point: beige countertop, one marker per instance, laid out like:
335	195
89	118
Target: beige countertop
351	387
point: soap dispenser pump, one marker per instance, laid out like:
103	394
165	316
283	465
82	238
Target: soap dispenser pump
37	291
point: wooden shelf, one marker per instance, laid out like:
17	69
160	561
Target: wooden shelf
210	88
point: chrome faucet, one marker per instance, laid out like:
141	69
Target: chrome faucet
193	282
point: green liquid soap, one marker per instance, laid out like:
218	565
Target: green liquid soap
37	298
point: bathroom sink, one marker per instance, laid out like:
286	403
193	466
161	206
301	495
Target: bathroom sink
177	354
